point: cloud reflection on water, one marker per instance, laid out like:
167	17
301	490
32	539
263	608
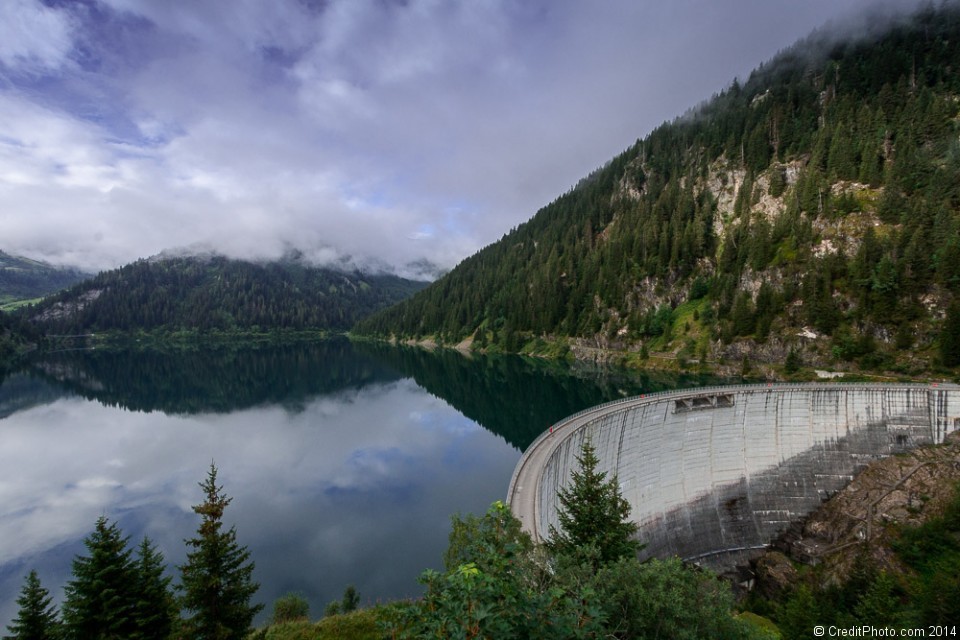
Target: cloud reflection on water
358	487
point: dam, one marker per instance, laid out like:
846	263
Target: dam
714	474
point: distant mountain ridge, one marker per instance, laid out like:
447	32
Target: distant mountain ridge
810	214
24	279
218	293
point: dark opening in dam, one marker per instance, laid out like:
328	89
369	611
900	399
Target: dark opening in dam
713	475
708	401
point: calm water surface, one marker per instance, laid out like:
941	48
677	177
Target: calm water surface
344	462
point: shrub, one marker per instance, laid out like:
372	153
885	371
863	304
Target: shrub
290	607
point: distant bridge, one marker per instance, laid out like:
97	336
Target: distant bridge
713	474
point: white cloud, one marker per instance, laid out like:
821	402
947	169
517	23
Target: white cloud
347	128
33	37
39	146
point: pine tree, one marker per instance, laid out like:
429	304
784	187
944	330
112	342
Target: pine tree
154	606
881	602
793	363
37	618
799	614
593	513
98	601
743	316
216	581
950	336
351	599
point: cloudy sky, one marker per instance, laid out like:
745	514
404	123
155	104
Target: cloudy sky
375	130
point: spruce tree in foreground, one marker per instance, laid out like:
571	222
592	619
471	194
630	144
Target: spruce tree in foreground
593	513
99	601
154	606
37	618
216	581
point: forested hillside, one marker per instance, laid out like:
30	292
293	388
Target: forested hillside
812	210
16	336
217	293
23	279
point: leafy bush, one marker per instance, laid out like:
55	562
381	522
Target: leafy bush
290	607
667	599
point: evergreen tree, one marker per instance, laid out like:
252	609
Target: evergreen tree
37	618
593	513
216	581
881	602
154	606
799	614
495	586
743	315
98	603
792	364
351	599
950	336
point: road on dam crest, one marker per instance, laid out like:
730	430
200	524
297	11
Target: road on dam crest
714	474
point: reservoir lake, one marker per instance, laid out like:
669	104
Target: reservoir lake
345	461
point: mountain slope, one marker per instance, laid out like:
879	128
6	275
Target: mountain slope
217	293
25	279
820	198
16	337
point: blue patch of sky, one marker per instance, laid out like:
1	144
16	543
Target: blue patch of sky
127	137
393	493
68	4
272	67
7	141
315	6
377	195
377	457
423	232
456	215
448	421
279	57
108	46
464	459
109	41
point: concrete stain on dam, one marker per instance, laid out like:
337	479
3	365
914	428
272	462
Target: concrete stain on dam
713	475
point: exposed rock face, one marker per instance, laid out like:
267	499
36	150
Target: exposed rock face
774	574
66	309
905	489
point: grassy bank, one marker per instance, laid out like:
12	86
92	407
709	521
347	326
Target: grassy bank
364	624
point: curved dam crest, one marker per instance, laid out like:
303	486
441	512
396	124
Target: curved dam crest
713	475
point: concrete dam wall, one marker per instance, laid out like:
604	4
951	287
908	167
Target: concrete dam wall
714	474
